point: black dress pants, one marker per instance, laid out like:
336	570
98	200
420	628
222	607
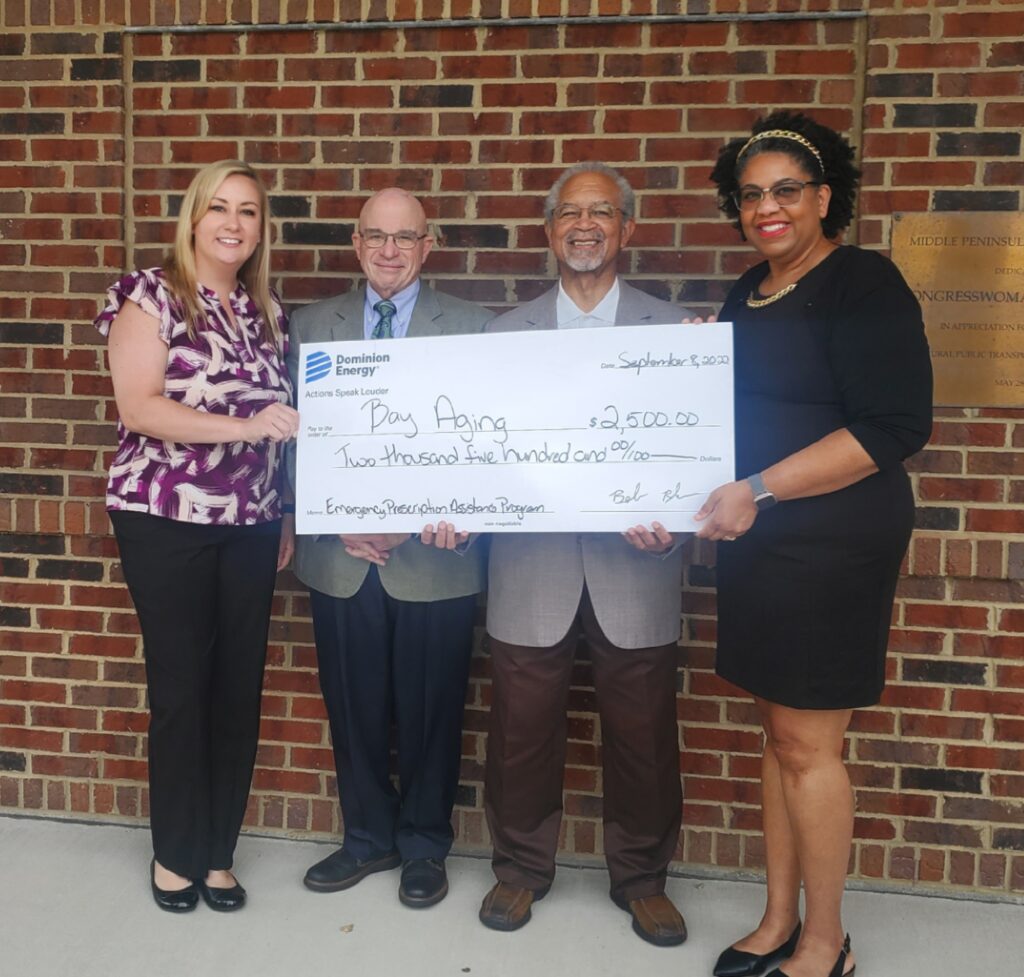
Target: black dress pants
526	747
384	660
203	595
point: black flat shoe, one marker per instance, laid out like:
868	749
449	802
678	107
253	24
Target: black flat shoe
173	900
222	900
424	883
837	968
741	963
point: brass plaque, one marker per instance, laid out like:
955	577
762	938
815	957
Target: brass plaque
967	271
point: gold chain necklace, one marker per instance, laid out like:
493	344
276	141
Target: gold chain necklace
753	303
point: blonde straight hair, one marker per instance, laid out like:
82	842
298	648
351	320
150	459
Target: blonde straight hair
180	265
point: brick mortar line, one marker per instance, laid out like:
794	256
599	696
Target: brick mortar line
481	23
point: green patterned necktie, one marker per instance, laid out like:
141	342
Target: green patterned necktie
386	310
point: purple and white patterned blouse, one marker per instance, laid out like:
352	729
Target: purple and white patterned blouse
221	371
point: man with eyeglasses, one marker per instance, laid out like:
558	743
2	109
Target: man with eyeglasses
620	593
392	614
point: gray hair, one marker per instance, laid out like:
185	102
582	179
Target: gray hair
628	198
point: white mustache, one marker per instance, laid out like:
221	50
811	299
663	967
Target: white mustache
576	236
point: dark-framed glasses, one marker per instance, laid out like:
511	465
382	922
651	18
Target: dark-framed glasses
404	240
785	194
569	213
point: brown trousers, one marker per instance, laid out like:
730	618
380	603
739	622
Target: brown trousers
636	699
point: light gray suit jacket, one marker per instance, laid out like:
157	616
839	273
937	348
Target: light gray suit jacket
536	579
413	572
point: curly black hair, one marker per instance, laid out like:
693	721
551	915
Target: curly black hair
835	168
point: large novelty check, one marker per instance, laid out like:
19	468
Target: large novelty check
541	431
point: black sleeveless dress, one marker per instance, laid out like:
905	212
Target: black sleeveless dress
805	597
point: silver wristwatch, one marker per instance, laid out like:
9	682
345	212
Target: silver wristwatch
763	499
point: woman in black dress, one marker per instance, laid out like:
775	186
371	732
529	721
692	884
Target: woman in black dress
833	391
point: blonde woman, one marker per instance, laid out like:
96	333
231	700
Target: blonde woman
195	496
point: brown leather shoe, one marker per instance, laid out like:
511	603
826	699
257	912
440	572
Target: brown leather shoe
655	919
507	907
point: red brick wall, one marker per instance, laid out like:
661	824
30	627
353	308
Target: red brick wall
99	133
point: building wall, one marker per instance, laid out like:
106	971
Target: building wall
101	130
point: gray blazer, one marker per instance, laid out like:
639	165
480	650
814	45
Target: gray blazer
413	572
536	579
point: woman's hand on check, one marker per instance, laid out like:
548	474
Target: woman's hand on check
727	513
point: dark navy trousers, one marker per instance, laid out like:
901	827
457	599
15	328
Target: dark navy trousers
391	663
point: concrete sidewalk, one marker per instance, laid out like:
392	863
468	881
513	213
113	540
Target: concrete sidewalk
75	902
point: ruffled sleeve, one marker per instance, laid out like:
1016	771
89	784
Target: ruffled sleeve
147	290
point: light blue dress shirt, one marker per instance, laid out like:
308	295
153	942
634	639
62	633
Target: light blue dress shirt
404	302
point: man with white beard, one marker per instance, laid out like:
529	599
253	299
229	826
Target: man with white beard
619	592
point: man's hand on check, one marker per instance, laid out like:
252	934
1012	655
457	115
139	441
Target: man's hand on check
374	547
445	537
657	539
697	320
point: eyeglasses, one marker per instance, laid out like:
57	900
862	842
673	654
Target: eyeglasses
784	194
569	213
404	240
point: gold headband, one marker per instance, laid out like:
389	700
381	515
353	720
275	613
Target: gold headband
783	134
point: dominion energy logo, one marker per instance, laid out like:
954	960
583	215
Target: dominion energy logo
318	365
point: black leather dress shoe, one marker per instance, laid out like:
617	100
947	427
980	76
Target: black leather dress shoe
342	870
741	963
173	900
424	883
222	900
